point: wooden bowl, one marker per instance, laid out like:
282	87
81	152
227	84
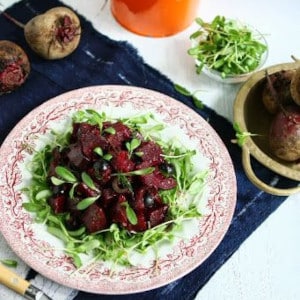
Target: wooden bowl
251	116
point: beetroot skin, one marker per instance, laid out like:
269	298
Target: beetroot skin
14	66
285	134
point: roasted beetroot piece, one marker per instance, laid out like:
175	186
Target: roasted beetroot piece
94	218
137	203
108	197
84	191
141	223
151	154
55	161
122	163
14	66
121	133
76	157
118	213
157	215
57	203
157	180
89	137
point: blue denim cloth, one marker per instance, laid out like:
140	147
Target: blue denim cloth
118	63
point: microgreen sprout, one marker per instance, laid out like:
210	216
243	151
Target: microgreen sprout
86	202
106	156
132	145
182	90
241	136
226	46
9	262
110	130
131	215
145	171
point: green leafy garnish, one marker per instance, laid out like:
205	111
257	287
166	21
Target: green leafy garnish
226	46
241	136
85	203
88	181
132	145
65	174
130	213
9	262
182	90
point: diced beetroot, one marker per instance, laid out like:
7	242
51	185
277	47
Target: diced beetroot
118	212
121	134
122	163
151	154
94	218
74	138
55	161
76	157
57	203
138	202
73	222
108	197
83	190
89	137
157	215
158	180
141	223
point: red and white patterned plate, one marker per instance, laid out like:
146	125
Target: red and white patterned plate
43	252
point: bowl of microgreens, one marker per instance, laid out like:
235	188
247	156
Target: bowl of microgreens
227	50
115	189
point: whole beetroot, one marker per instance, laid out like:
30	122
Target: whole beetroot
14	66
284	135
52	35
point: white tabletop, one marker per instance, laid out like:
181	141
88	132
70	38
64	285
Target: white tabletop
267	265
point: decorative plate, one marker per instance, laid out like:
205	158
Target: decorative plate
32	243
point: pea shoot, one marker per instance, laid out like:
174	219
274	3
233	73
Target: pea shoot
241	136
226	46
182	90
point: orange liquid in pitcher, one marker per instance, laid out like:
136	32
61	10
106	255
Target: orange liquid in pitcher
155	18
